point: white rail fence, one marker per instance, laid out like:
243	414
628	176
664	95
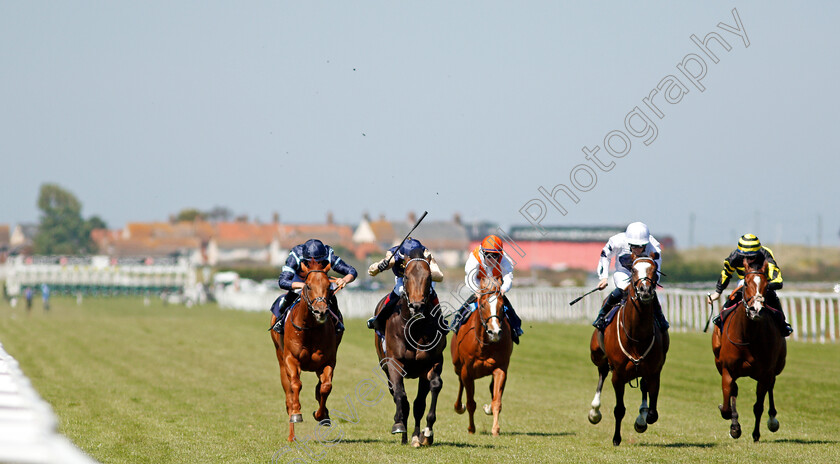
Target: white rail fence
813	316
28	427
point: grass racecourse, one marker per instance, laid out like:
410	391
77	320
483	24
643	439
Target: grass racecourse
169	384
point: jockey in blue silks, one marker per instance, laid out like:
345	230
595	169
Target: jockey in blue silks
292	277
395	259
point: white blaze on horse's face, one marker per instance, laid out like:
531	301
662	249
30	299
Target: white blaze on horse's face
494	328
641	269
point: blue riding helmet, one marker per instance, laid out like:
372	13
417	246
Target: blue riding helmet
408	246
314	249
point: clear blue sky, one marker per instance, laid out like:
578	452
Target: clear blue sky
143	109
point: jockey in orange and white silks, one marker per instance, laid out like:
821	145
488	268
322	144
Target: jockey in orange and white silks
489	259
620	246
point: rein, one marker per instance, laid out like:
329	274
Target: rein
484	321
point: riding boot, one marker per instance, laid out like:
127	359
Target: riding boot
612	299
772	300
514	320
463	314
660	317
285	303
339	322
437	311
378	321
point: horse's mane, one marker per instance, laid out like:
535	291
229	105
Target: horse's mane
417	253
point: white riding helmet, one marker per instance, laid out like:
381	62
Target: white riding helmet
637	234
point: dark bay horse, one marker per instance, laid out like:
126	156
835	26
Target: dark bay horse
309	343
750	344
413	348
632	346
483	347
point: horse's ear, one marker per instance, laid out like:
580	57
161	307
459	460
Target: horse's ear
633	255
654	255
304	266
329	266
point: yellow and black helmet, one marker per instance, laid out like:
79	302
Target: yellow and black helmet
748	245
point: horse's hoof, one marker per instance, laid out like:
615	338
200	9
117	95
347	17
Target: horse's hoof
415	441
326	422
471	430
460	409
488	410
640	427
404	439
735	431
399	427
756	436
652	417
295	418
594	416
616	441
428	437
773	424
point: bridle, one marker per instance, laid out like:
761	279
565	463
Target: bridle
622	323
758	297
304	294
653	282
481	318
404	294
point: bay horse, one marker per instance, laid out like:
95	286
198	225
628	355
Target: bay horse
750	344
632	346
413	348
309	343
483	347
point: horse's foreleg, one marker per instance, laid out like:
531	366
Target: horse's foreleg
401	402
728	409
459	406
498	382
419	409
758	408
292	369
469	385
322	392
436	385
653	391
772	422
619	410
641	421
595	413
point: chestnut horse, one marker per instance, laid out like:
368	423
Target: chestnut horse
413	348
483	347
632	346
750	344
308	343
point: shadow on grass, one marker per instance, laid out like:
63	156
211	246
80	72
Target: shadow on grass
396	441
800	441
537	434
679	445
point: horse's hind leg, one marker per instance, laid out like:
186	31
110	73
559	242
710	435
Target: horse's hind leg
419	409
772	422
758	408
436	384
595	413
322	392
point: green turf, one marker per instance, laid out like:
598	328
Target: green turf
164	384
